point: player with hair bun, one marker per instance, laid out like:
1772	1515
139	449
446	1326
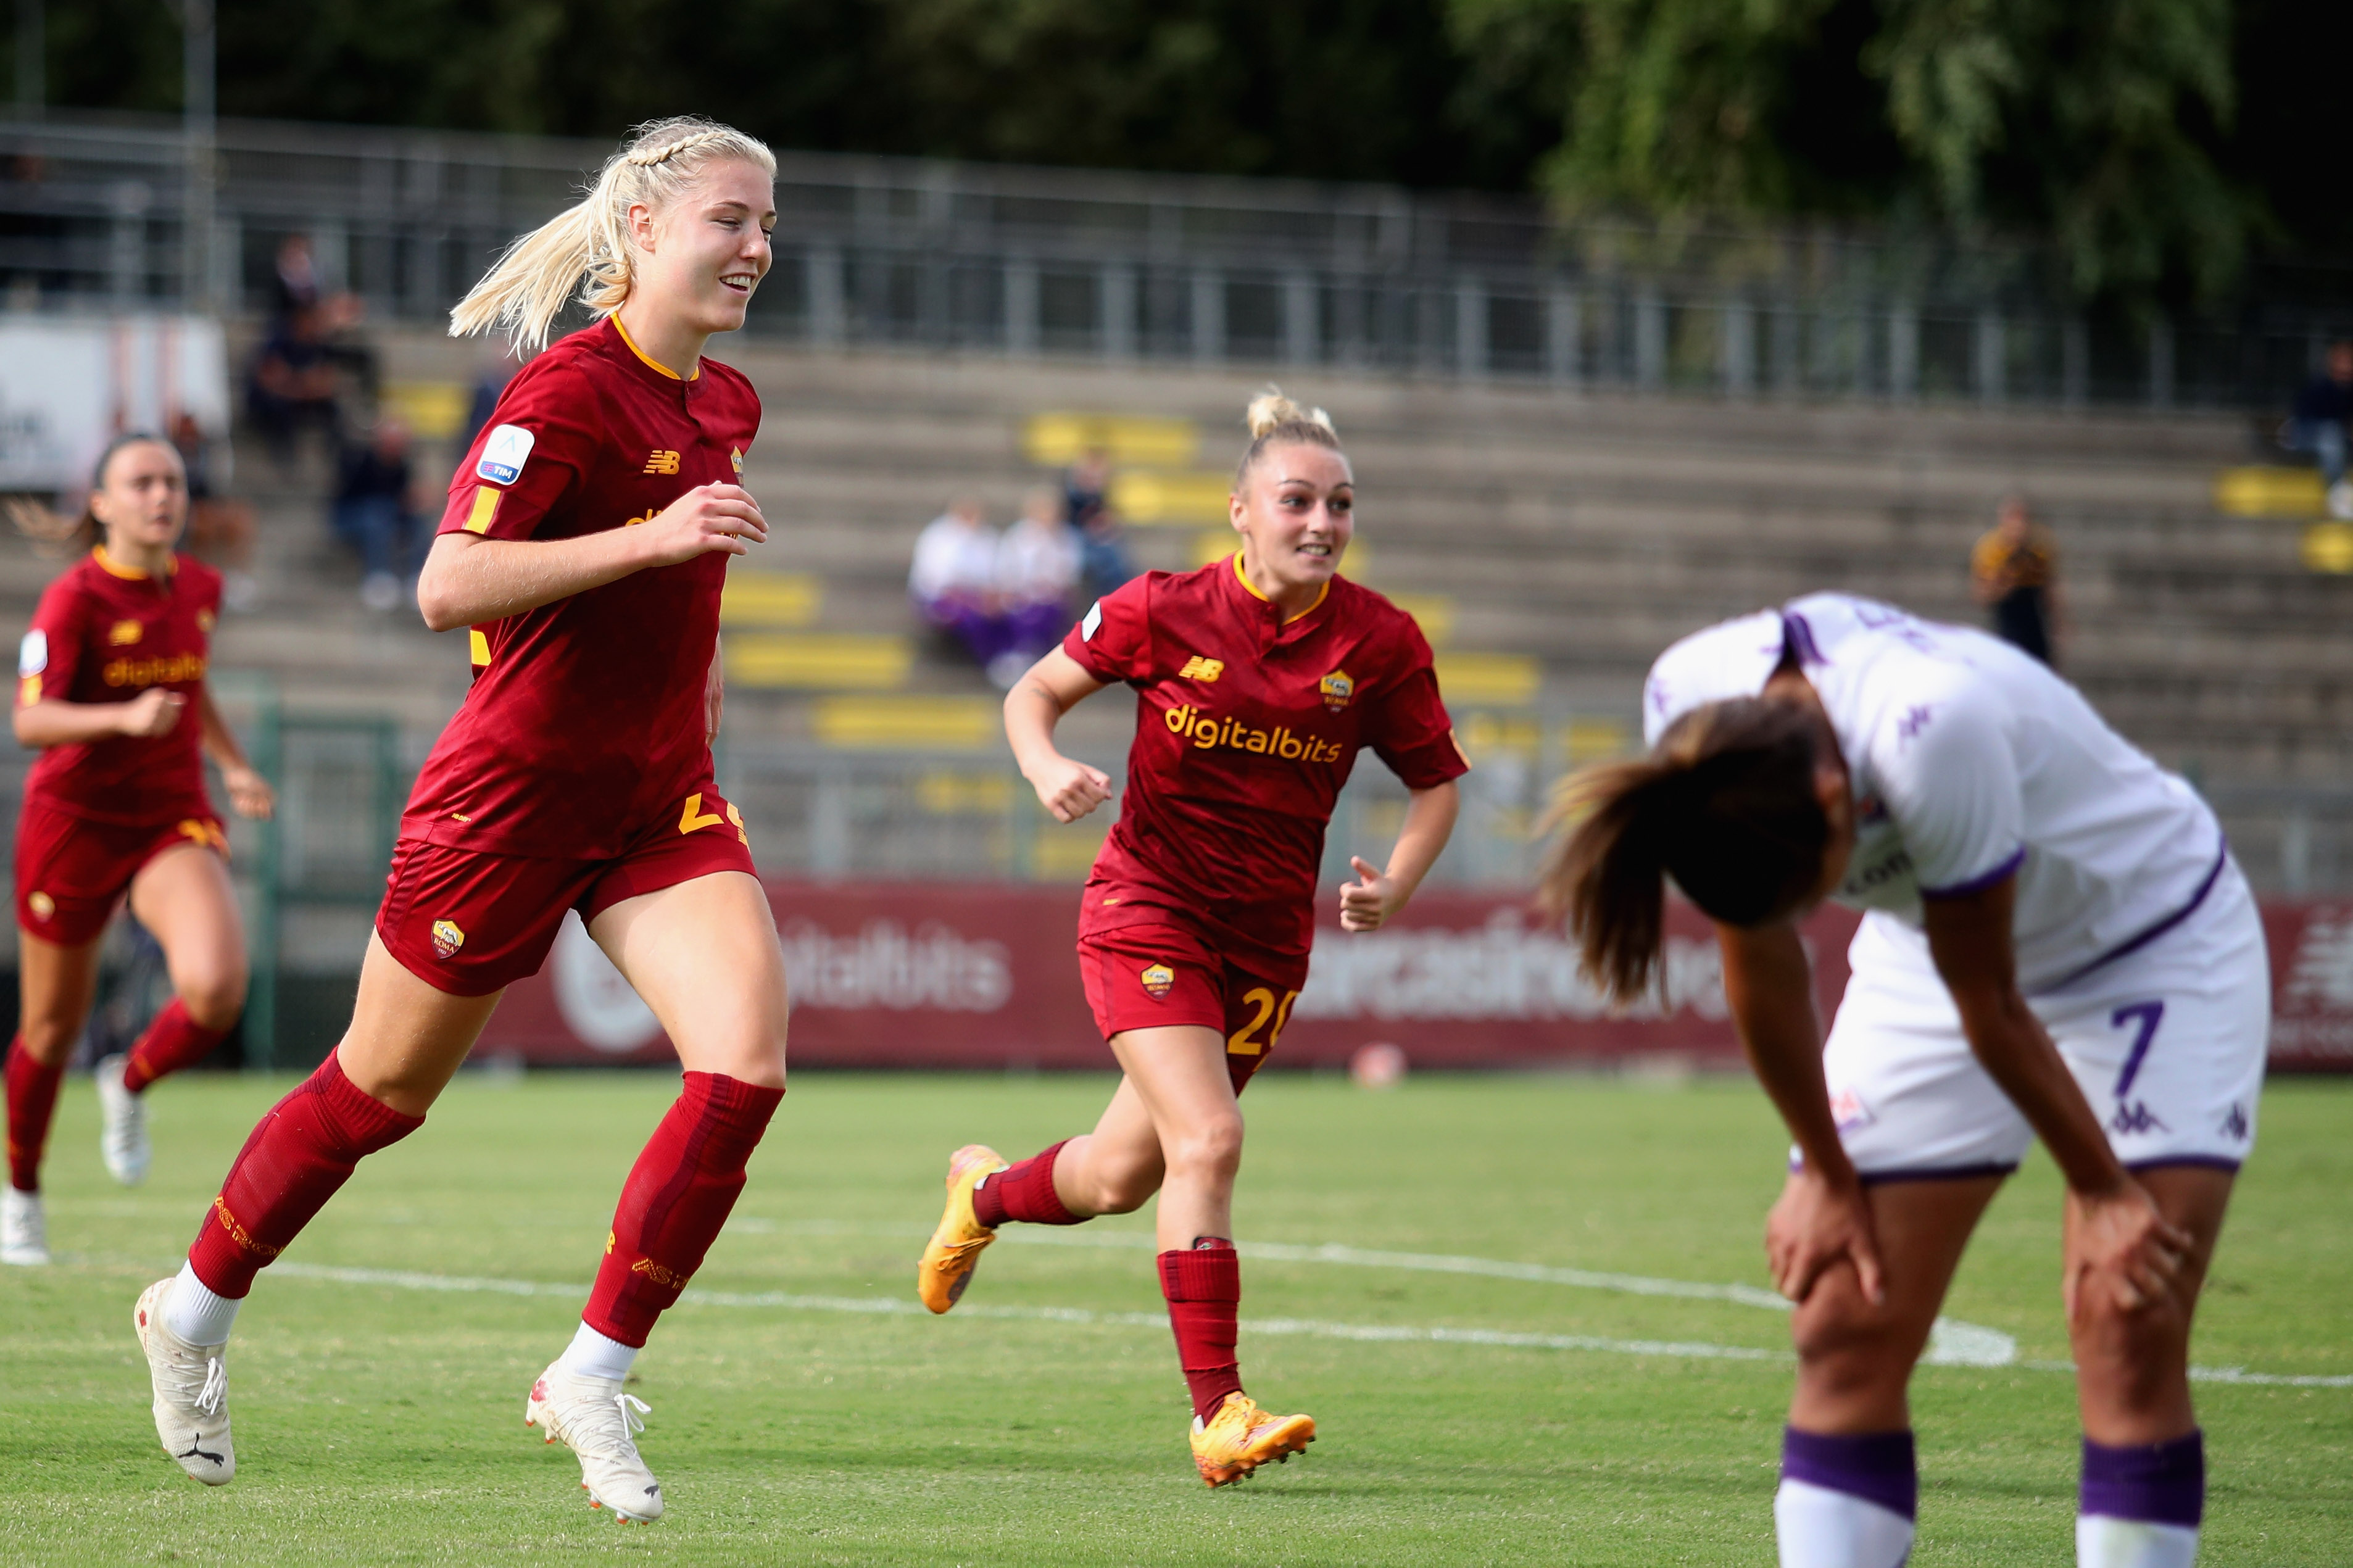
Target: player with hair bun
116	808
1259	677
2056	942
586	543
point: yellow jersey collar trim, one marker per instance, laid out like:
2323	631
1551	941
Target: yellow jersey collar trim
113	568
650	362
1251	589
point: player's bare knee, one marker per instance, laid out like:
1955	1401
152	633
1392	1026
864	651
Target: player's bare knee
214	1001
1843	1336
1214	1147
49	1038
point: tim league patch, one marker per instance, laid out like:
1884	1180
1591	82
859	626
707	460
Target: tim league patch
1157	978
447	937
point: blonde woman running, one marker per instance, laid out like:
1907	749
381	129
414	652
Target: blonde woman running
576	776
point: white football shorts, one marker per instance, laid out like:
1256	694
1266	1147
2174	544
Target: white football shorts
2168	1042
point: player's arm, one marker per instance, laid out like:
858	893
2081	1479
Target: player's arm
2123	1238
714	692
1822	1219
1368	902
249	794
471	578
52	723
1054	686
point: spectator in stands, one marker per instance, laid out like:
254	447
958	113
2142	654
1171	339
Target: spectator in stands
2014	571
293	383
2319	425
953	581
221	528
375	513
1094	526
294	279
1036	564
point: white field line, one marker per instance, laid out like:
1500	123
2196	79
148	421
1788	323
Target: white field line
892	1306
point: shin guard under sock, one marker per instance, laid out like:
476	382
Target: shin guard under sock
1204	1288
295	1160
1846	1501
2140	1507
173	1041
1025	1191
677	1196
32	1101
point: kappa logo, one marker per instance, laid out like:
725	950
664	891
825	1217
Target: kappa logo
1202	669
125	632
660	462
447	937
504	452
1338	688
1157	978
2135	1117
2234	1123
1848	1111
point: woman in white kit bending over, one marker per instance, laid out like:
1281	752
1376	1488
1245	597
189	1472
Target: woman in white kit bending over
2057	943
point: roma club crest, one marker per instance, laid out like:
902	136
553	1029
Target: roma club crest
1337	688
1157	978
447	937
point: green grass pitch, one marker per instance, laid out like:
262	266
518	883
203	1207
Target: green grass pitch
382	1423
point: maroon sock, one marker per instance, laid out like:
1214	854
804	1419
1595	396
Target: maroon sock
172	1042
1204	1287
677	1197
290	1165
32	1101
1025	1191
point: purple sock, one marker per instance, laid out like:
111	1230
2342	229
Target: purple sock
2162	1483
1877	1467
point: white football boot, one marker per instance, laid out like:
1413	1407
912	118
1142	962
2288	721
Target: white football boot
599	1422
24	1233
122	1130
191	1393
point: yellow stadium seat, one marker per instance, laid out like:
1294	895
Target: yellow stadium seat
1584	741
2264	491
1058	441
945	793
2328	547
818	661
1484	735
1067	853
1488	679
434	410
769	598
1148	498
910	723
1434	613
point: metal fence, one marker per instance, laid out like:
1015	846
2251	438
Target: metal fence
971	257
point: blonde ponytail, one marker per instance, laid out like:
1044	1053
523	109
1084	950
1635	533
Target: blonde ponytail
1273	419
588	244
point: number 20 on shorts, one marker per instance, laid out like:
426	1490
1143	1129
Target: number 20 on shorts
1245	1041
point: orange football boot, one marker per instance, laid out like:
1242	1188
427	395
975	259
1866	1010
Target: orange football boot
1240	1437
956	1247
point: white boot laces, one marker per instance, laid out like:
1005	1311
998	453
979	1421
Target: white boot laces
615	1440
216	1389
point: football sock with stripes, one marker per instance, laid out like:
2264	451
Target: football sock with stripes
1846	1501
1023	1190
32	1101
301	1153
677	1197
1204	1288
173	1041
2140	1507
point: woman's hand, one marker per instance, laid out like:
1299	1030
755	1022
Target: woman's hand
249	794
1814	1227
1368	902
2119	1243
1069	789
706	518
154	711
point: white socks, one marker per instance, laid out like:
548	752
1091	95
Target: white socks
591	1355
1819	1528
193	1313
2105	1543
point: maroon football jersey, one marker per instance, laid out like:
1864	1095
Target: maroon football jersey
1246	728
585	722
105	633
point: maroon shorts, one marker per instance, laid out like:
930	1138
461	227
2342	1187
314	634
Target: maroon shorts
71	872
469	922
1153	976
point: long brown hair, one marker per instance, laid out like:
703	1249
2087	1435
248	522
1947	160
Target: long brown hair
54	535
1725	804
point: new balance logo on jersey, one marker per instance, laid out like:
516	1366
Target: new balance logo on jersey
124	632
660	462
1202	669
2134	1116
